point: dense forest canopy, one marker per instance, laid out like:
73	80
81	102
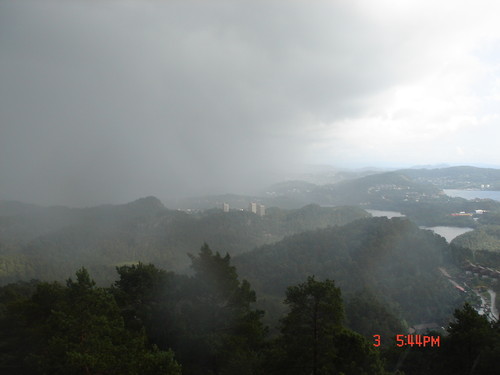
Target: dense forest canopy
156	322
46	243
392	258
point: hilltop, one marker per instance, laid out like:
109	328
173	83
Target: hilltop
51	242
461	177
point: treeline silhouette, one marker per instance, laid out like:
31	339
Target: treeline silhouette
155	322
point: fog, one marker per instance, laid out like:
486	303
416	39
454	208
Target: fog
105	102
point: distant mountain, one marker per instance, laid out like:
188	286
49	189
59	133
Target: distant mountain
366	188
325	174
374	189
462	177
380	188
430	166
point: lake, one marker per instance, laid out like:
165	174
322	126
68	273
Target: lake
449	233
472	194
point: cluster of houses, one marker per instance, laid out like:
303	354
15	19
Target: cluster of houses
463	213
480	271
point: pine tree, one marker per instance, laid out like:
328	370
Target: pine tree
313	340
79	330
307	331
225	330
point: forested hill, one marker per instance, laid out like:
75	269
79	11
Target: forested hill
393	259
24	222
52	242
374	189
381	189
461	177
486	237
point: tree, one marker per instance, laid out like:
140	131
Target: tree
144	294
471	337
79	330
315	315
313	339
367	315
207	319
222	333
14	345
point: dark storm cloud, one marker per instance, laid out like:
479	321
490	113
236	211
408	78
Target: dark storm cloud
109	101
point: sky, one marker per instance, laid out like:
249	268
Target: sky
109	101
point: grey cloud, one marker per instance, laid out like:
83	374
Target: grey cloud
105	102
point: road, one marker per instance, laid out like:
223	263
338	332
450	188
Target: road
494	310
489	309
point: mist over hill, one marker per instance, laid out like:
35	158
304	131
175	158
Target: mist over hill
42	241
376	188
51	242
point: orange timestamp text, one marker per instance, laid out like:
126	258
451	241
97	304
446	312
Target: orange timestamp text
412	340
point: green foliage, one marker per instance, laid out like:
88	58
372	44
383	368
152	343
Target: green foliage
368	316
45	243
469	335
487	258
490	218
437	211
207	319
458	255
78	329
308	329
470	348
313	340
486	237
355	355
141	293
395	259
222	325
13	344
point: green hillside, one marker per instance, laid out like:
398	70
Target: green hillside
393	259
486	237
50	243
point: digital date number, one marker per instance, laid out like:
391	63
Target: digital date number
412	340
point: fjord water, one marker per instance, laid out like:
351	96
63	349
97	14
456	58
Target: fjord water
449	233
473	194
